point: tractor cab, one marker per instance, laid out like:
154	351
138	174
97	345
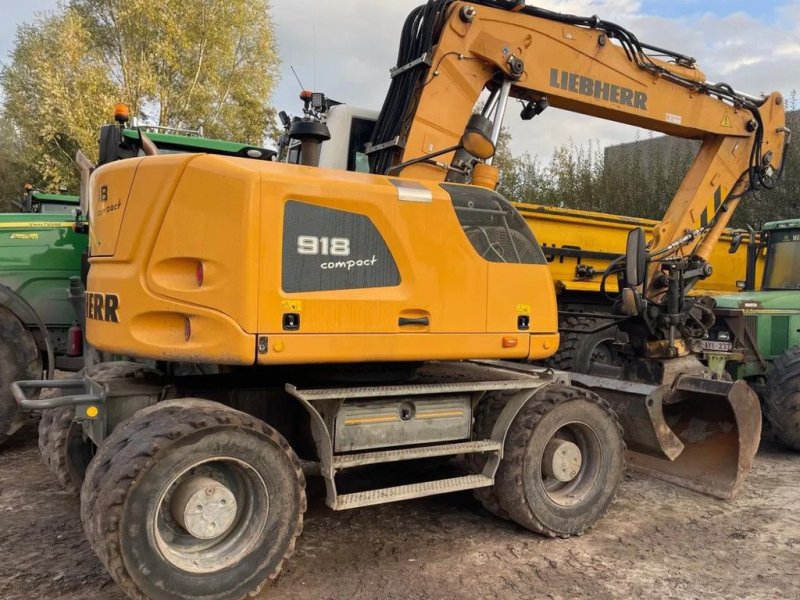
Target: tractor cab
782	269
43	203
123	140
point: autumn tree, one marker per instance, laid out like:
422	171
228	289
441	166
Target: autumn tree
183	64
209	63
57	94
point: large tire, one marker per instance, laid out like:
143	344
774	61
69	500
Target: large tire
541	502
782	398
63	447
485	416
578	351
19	360
141	470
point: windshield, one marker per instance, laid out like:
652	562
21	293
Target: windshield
783	261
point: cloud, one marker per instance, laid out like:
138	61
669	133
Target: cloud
346	47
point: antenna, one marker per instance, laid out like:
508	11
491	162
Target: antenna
296	77
314	44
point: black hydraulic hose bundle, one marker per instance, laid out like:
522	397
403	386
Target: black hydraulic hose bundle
421	33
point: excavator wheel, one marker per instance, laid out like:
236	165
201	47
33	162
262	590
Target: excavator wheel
63	447
579	351
191	499
485	415
782	398
19	359
563	462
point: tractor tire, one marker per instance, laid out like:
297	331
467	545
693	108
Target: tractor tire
782	398
63	447
563	462
19	359
191	499
577	352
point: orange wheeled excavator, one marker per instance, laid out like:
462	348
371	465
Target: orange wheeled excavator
283	312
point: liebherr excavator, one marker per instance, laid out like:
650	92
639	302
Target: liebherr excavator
364	319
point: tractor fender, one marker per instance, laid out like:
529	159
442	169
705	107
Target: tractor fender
22	310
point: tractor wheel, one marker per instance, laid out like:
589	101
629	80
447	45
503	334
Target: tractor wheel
63	447
191	499
19	359
782	398
578	351
563	462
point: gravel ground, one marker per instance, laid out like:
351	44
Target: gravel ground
657	541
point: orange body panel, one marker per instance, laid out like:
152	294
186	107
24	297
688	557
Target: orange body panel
199	270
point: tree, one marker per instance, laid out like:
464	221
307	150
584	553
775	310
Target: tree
175	63
12	168
57	94
181	63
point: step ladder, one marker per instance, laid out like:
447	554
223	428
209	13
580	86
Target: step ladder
414	490
332	464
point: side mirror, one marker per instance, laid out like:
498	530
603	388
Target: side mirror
636	258
477	138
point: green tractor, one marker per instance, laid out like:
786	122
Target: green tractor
42	268
757	333
40	250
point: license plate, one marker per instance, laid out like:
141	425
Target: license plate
717	346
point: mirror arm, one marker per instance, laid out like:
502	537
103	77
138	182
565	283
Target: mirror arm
423	158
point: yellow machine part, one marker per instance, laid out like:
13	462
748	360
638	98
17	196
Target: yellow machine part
221	260
602	233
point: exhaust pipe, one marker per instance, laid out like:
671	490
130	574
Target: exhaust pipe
696	432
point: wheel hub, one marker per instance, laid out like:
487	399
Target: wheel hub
562	460
204	507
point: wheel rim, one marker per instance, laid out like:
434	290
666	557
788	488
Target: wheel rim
211	515
570	464
603	353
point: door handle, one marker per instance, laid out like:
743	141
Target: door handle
402	321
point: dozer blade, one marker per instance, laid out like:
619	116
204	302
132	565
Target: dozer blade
701	434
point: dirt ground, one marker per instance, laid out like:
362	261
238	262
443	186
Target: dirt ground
657	541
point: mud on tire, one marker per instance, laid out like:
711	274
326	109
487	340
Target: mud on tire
782	398
19	359
486	414
125	506
541	502
63	447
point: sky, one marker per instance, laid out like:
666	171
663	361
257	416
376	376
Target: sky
346	47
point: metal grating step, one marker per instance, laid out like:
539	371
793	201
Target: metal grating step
370	458
385	391
408	492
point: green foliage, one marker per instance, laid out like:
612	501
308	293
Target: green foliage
57	94
12	168
210	63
